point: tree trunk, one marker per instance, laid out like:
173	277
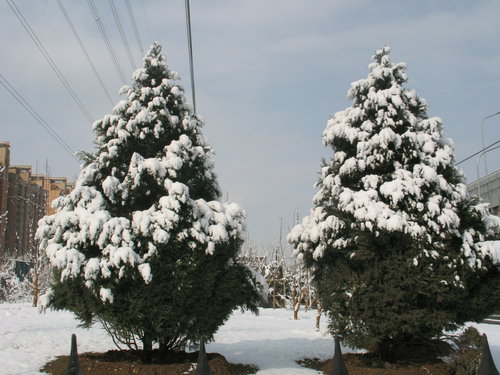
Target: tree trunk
147	349
35	288
165	349
296	307
385	350
274	294
294	301
318	314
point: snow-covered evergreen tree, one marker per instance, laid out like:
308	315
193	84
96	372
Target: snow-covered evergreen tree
399	250
144	243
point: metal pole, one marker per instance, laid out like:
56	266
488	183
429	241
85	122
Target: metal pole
190	47
482	137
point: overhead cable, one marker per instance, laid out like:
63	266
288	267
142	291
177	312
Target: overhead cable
134	26
5	83
49	59
146	21
84	50
107	40
477	153
122	33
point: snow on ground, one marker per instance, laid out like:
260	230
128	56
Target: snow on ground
272	340
493	334
29	339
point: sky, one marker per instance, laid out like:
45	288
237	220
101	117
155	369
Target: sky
268	74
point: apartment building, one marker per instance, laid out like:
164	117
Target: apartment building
25	197
54	186
26	204
4	183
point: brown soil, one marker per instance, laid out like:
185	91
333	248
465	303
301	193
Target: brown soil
362	364
123	363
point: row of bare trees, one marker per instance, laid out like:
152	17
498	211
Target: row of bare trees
289	282
24	279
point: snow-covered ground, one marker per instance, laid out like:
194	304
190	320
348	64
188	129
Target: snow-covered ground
272	340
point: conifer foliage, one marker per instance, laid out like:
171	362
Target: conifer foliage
143	243
399	251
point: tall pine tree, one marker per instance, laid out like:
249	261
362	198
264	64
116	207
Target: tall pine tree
143	243
398	248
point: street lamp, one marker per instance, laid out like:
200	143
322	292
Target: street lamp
477	168
482	137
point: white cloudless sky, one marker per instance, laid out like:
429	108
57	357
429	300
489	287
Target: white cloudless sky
268	75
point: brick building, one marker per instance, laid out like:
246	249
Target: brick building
54	186
26	204
25	198
4	183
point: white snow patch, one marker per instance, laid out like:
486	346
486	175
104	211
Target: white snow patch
273	341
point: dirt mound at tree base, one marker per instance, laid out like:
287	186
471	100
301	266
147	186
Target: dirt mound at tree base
360	364
357	365
123	363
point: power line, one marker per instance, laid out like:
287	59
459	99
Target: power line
477	153
107	40
190	47
5	83
134	26
122	33
84	50
146	21
48	58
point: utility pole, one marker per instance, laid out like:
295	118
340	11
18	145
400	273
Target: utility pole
190	48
